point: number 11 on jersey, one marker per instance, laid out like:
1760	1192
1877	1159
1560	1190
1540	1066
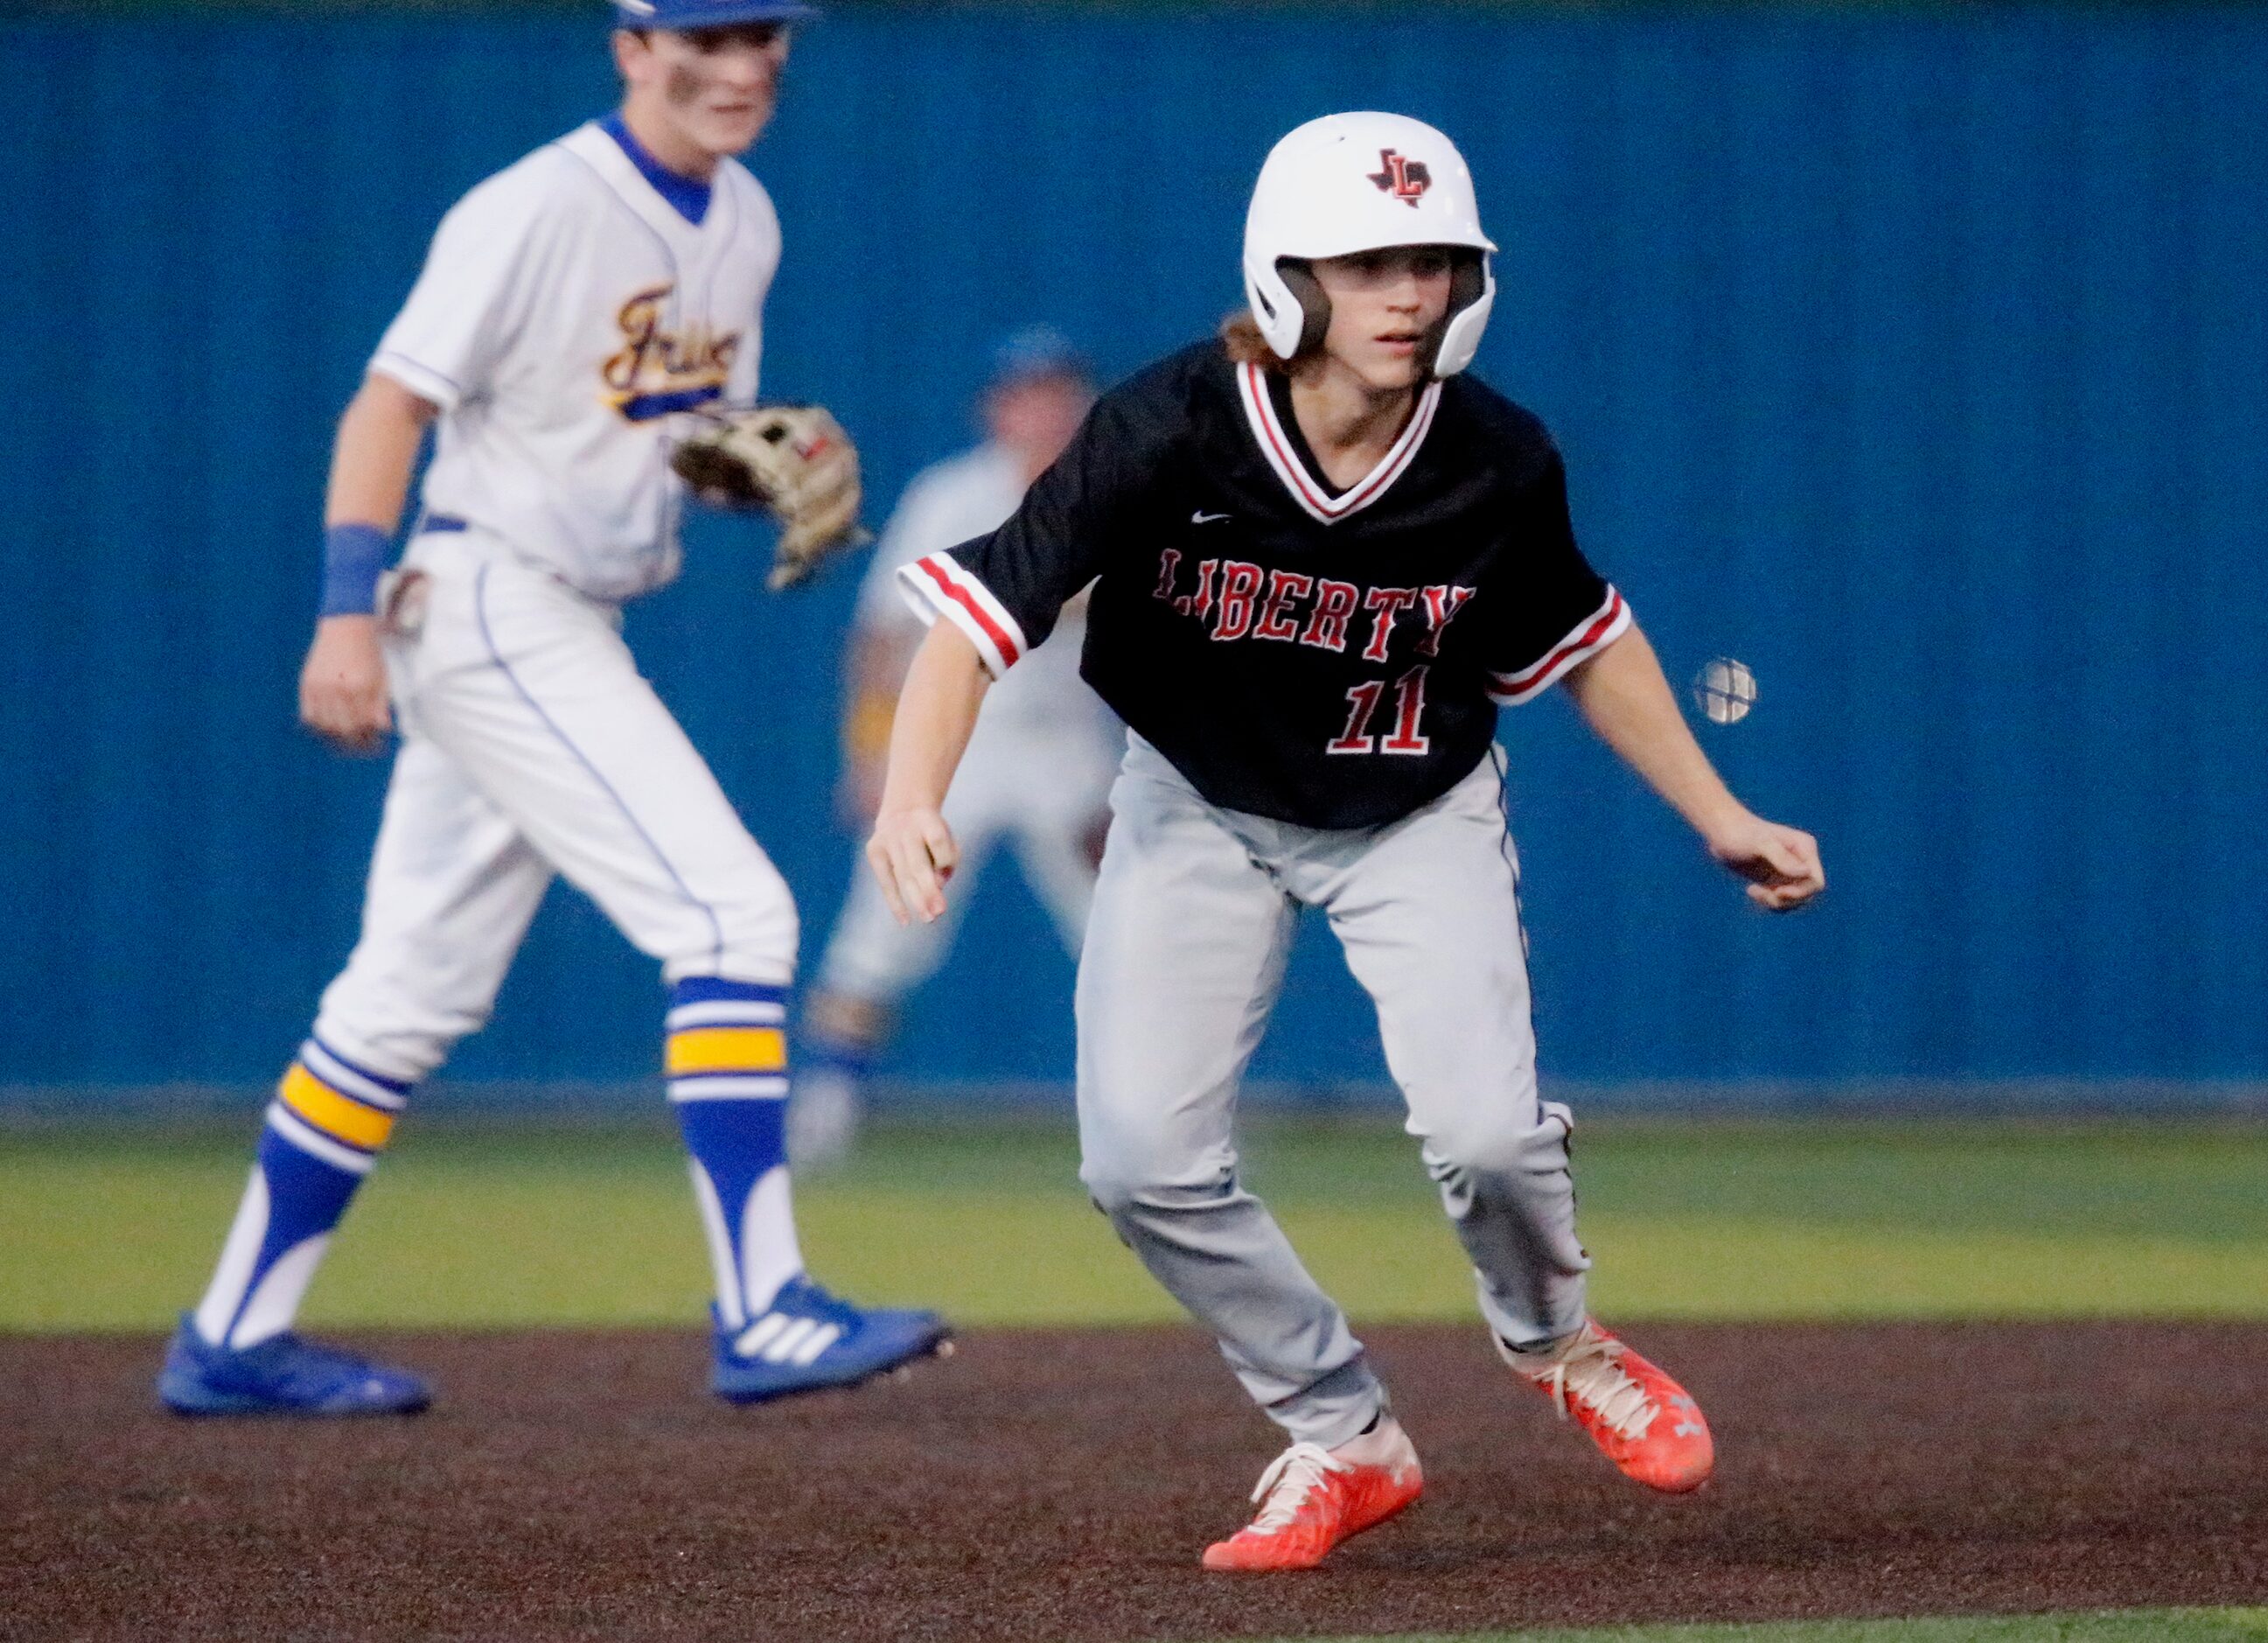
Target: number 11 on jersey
1408	708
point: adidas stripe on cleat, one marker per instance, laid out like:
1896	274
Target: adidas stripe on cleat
1311	1498
808	1341
1640	1418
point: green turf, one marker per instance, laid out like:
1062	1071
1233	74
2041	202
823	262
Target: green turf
508	1225
2140	1625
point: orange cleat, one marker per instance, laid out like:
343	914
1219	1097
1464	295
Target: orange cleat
1635	1412
1313	1498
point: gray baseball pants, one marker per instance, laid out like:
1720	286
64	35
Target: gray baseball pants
1185	951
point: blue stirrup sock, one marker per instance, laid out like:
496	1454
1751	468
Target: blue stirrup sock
324	1131
726	1061
820	1051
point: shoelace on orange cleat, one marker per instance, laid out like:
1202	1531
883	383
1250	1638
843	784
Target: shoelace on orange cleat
1291	1477
1591	1372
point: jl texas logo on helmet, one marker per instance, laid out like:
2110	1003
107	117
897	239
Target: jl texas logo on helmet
1404	178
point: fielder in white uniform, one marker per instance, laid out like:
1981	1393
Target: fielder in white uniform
574	308
1038	771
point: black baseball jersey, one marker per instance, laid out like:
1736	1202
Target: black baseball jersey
1325	657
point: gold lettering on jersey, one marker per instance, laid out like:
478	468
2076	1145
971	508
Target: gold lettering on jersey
660	371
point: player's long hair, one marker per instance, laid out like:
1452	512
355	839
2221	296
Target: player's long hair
1239	335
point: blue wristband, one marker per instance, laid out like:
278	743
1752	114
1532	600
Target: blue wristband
354	556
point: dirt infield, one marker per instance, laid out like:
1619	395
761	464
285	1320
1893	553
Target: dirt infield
1058	1485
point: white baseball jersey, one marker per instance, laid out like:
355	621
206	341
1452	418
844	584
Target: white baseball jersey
567	317
947	504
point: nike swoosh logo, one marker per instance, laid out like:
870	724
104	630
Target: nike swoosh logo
1202	517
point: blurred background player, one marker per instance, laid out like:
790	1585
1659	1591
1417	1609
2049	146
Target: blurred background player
1038	768
573	309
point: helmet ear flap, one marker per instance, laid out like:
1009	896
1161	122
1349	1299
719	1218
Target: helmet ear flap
1467	281
1315	307
1472	293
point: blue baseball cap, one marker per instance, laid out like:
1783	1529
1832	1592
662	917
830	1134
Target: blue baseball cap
691	14
1035	352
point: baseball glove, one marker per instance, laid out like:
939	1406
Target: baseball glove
793	460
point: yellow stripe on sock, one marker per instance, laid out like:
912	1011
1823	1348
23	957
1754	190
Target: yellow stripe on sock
334	1114
727	1049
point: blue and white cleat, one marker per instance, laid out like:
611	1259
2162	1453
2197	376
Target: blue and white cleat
282	1375
809	1341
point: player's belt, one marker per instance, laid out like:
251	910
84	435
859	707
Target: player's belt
441	522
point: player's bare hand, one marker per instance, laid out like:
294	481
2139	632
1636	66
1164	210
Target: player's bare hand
1781	863
913	854
343	685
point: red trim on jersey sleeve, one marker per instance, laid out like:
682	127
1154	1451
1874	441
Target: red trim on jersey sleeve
939	586
1588	638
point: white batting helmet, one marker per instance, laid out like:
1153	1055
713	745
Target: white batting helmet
1362	182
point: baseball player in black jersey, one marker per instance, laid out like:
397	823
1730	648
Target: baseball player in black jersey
1321	557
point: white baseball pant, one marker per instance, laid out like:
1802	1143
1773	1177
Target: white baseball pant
531	744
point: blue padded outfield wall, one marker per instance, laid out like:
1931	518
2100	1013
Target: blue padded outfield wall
1917	360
